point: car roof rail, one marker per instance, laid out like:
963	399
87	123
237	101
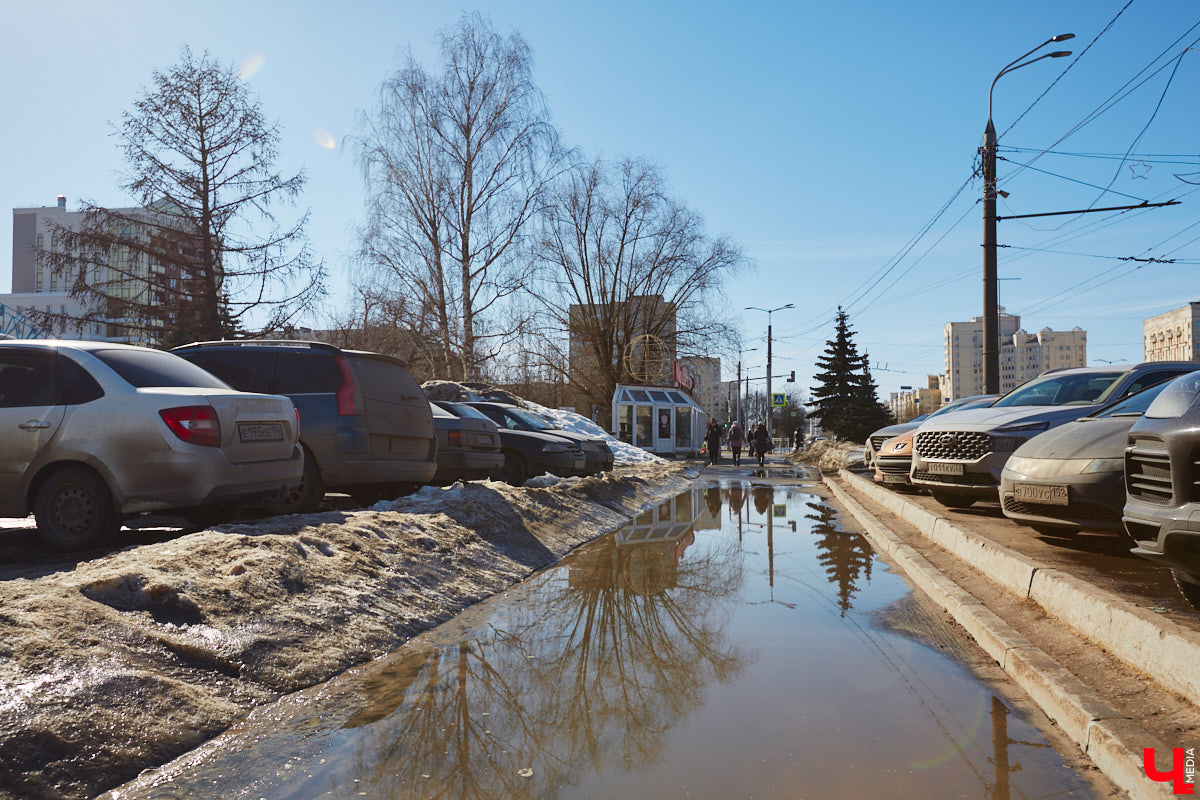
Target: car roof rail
294	343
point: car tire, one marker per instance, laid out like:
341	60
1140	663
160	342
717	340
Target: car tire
952	500
1055	531
74	510
515	471
1188	587
303	499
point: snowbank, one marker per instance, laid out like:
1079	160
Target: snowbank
827	455
123	662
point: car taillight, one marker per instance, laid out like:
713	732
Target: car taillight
456	438
194	424
347	396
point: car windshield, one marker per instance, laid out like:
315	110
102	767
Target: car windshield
1176	397
1061	389
530	419
963	405
1135	405
153	368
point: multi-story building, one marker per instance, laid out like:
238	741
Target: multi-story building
125	274
707	390
1022	355
1172	336
909	402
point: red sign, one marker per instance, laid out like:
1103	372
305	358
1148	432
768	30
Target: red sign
1182	773
683	377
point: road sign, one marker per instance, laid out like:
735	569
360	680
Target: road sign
778	399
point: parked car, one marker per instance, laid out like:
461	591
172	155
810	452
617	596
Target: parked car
468	447
1072	478
365	424
599	456
893	461
1162	483
959	457
526	452
876	439
100	432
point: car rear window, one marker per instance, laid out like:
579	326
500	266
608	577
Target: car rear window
306	372
468	411
381	379
245	370
438	411
152	368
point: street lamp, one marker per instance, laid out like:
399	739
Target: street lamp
741	418
991	321
769	311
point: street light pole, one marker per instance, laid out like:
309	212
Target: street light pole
770	408
741	409
991	318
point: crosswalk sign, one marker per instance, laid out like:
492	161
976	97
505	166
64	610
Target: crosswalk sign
778	399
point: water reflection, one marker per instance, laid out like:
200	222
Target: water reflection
708	649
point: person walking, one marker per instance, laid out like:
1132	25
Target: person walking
712	439
762	442
736	441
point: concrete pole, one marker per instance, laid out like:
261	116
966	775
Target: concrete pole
991	319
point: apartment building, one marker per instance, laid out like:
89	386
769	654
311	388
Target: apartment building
1172	336
1023	355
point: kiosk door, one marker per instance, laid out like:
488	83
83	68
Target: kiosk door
664	438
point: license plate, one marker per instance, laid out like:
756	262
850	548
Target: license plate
936	468
895	478
1039	493
260	432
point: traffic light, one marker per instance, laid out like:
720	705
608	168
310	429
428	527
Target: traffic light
793	378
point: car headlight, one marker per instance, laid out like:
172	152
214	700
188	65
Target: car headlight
554	447
1105	465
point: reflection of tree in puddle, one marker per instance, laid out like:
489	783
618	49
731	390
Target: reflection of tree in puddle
845	556
594	667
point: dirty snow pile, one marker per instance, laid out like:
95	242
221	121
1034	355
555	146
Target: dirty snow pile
828	455
623	452
123	662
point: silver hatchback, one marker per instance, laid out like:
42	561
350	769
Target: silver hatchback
92	433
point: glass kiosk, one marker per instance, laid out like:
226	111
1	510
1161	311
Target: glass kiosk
665	421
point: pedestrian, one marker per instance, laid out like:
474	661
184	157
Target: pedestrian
713	441
797	439
762	442
736	440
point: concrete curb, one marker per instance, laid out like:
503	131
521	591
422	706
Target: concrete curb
1113	741
1165	651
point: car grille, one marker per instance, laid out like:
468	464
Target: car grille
893	465
1148	474
961	445
877	442
1076	511
968	479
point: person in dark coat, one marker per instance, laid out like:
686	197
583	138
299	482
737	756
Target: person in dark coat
762	442
736	440
713	440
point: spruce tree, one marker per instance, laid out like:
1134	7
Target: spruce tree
846	402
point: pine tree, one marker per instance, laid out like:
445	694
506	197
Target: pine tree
846	402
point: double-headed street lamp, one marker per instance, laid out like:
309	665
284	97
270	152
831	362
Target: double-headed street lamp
770	311
991	319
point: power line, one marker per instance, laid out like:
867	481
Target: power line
1149	158
1082	183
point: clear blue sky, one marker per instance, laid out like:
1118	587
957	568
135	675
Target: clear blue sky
822	136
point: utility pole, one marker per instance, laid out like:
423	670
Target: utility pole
770	408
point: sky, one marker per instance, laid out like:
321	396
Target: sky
835	142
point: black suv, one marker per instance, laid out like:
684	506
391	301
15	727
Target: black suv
365	424
514	418
1162	483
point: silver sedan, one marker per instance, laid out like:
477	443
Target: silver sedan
92	433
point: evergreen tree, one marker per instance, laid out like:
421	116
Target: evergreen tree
846	402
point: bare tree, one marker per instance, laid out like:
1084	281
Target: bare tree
620	259
456	165
202	253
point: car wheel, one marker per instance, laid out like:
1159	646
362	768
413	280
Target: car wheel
303	499
515	471
952	500
74	510
1188	587
1056	531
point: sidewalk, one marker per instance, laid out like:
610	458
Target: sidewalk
1151	648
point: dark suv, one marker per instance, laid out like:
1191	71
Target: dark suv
599	457
1162	483
365	424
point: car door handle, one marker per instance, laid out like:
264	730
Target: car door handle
33	424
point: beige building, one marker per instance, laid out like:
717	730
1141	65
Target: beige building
1023	355
1172	336
909	403
707	390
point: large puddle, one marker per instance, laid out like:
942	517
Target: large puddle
731	643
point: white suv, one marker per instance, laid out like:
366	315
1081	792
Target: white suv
959	457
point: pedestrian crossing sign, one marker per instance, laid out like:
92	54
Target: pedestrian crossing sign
778	399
